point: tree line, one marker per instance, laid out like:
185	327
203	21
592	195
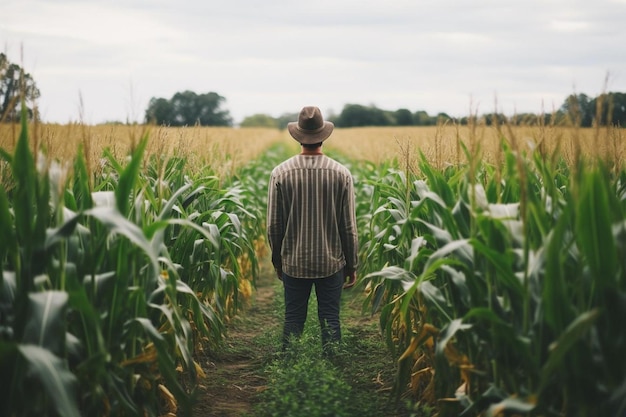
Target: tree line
14	83
188	108
577	109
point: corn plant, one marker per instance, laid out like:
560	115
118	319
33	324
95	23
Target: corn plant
502	291
34	341
103	296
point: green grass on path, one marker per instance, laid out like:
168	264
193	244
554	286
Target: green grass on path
247	377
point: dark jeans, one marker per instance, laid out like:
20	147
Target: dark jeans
297	292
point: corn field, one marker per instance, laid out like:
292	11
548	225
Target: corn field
112	279
493	258
501	287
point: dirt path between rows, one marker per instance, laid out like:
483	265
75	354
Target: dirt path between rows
235	373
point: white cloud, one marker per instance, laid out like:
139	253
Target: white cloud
569	25
90	22
433	55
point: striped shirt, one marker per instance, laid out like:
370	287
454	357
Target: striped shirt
311	220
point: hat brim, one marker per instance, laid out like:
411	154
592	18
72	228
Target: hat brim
308	137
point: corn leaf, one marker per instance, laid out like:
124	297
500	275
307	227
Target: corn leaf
594	229
128	178
566	341
62	232
45	325
8	244
58	382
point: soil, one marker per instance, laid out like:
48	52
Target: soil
234	373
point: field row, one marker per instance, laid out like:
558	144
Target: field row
225	149
493	259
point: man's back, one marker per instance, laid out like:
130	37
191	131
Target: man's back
312	221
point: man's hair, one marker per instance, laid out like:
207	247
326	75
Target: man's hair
312	145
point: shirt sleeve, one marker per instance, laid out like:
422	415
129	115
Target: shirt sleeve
275	230
348	228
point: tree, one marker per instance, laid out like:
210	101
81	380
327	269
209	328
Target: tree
159	111
618	105
14	83
352	115
404	117
611	107
421	118
187	109
579	109
443	118
491	119
356	115
286	118
527	119
259	120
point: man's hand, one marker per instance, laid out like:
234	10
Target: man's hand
279	273
350	279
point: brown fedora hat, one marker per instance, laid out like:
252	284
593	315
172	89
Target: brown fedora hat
310	127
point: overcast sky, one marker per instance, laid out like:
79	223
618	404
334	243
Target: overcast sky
275	56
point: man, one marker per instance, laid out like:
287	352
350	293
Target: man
311	227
